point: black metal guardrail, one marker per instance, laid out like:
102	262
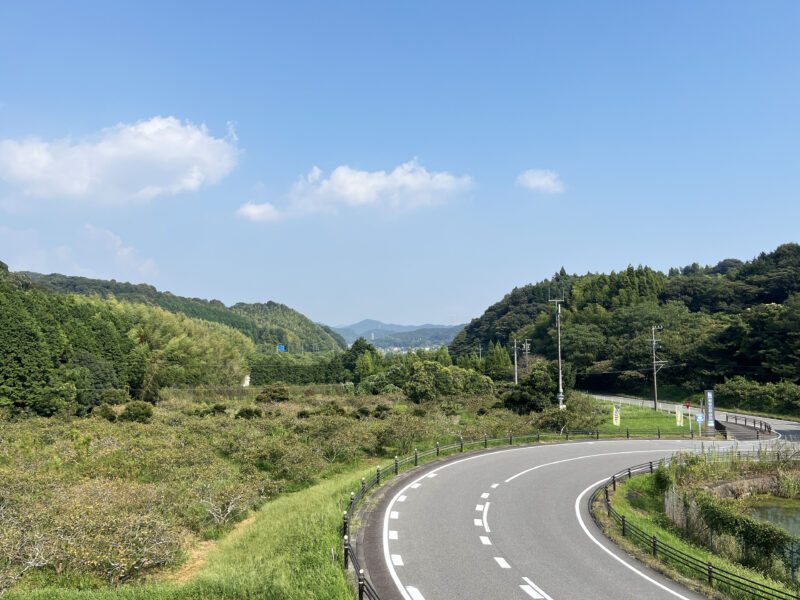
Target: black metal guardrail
715	575
365	588
756	424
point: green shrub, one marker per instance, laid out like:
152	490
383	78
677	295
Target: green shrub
662	479
137	411
106	412
248	413
115	397
274	392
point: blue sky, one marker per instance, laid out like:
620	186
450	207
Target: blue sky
410	162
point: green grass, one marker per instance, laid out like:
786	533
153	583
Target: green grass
638	418
631	500
285	554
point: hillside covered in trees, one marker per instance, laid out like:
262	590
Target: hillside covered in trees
70	352
733	319
267	324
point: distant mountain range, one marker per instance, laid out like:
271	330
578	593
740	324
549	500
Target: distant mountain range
390	335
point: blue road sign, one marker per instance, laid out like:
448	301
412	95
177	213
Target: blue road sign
700	417
281	348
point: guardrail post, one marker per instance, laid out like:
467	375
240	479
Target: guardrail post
538	436
378	476
727	417
416	457
710	574
659	433
629	473
437	449
655	546
651	466
361	584
485	441
363	486
396	465
597	434
510	438
627	433
567	434
344	524
461	444
624	523
614	482
691	434
758	434
352	500
346	551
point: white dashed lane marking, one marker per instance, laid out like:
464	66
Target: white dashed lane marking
397	560
392	535
478	522
485	540
401	499
502	562
533	590
414	593
485	495
494	485
479	507
415	485
394	515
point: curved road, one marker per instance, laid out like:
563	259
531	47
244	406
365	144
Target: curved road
511	523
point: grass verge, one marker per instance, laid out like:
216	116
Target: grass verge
630	500
284	554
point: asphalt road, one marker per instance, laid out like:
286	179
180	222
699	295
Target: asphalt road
786	429
511	524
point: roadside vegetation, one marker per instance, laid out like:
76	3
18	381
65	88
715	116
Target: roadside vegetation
700	505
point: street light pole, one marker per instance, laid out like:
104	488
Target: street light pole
560	395
657	364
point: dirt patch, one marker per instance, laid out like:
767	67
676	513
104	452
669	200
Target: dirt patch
744	487
199	552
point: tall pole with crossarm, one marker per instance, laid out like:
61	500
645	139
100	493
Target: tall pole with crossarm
560	396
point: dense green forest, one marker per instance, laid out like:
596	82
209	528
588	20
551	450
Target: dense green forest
731	320
427	337
69	352
267	324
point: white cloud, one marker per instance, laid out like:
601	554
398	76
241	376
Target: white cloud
124	163
408	187
541	180
92	252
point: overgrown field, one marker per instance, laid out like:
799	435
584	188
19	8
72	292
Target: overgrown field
90	502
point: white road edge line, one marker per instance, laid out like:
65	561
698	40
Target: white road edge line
609	552
536	588
502	562
486	518
485	540
415	484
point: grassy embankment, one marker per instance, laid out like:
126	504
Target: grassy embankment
638	501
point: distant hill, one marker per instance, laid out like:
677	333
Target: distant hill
426	337
269	324
735	318
370	327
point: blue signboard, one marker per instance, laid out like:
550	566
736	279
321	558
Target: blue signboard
281	348
700	417
710	407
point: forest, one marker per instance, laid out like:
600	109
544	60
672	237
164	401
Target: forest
735	324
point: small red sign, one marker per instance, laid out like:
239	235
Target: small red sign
686	403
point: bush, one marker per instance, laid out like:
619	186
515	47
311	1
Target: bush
274	392
106	412
137	411
248	413
662	479
115	397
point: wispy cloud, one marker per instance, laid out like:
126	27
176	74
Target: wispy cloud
409	186
541	180
92	252
123	163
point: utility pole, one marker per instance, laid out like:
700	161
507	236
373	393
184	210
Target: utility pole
480	348
657	364
560	396
515	363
